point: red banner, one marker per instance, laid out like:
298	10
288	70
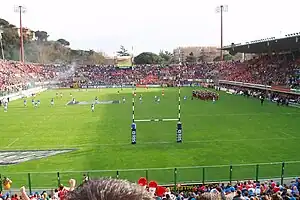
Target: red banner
280	88
141	86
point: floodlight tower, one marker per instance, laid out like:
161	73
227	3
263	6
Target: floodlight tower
20	10
220	9
1	45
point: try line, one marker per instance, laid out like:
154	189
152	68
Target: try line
144	143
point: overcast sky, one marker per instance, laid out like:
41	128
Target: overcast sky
151	25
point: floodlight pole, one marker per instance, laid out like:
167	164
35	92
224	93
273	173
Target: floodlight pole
179	57
1	45
220	9
20	10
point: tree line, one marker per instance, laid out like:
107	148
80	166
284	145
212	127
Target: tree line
39	49
165	57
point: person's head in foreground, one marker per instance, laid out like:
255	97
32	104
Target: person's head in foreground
108	189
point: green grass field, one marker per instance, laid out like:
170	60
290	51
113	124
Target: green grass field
235	130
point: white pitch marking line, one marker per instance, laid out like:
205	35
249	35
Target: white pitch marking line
158	142
10	144
287	134
238	114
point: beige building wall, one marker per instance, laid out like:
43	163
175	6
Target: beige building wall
208	53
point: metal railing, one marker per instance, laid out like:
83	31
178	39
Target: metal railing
164	176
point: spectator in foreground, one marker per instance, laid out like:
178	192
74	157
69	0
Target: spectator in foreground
108	189
61	193
101	189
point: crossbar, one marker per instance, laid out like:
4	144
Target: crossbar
155	120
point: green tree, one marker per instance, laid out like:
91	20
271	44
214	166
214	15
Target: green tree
63	42
42	50
123	51
148	58
226	57
166	56
191	58
11	41
202	57
3	23
41	36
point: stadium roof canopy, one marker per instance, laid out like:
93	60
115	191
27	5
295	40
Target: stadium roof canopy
289	43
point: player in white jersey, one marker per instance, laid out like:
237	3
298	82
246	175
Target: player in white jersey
5	106
93	107
36	104
185	98
61	95
123	99
52	102
158	100
214	99
73	101
141	99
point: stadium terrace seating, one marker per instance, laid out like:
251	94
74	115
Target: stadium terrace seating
282	69
143	74
241	190
15	76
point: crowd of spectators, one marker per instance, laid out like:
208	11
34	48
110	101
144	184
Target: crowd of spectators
283	70
142	74
118	189
15	76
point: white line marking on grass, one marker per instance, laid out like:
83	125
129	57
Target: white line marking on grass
240	114
10	144
287	134
151	143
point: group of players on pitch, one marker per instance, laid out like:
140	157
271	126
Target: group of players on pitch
205	95
36	103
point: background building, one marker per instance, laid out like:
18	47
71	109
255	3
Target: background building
206	54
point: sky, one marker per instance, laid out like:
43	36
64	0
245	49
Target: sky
154	25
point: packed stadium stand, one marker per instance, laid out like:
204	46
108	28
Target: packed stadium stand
268	68
277	70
